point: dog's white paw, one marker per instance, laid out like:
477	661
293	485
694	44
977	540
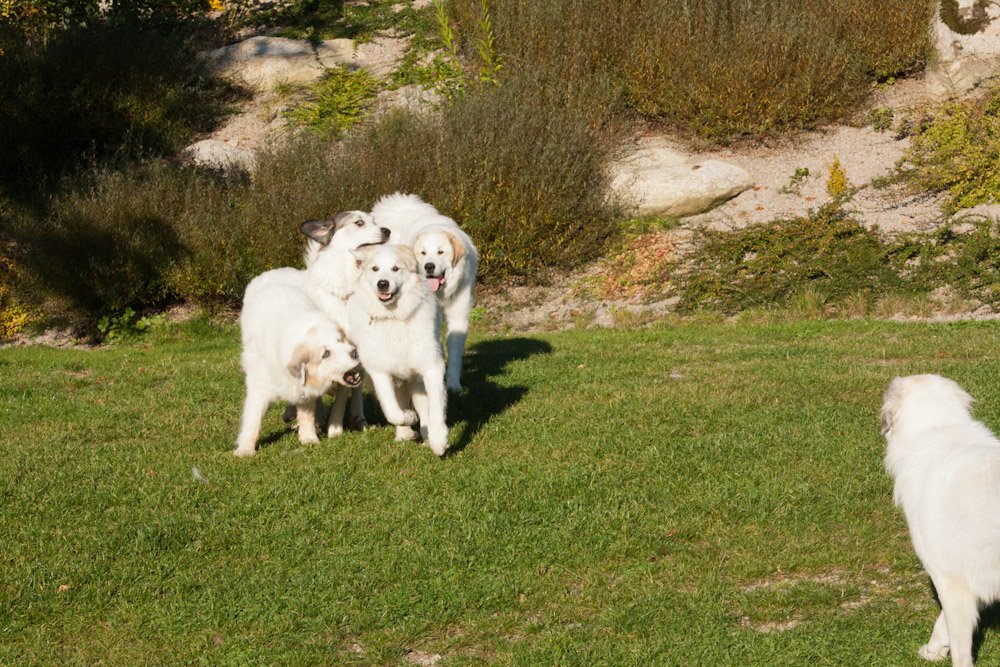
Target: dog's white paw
405	418
933	651
309	439
333	430
404	433
438	448
243	452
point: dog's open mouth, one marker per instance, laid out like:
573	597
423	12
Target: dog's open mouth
352	378
435	282
385	297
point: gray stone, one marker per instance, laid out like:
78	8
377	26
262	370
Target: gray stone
663	181
265	62
966	48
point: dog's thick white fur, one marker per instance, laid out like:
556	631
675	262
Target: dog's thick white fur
331	269
396	323
447	258
292	351
946	466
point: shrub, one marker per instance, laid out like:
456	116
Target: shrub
336	101
720	68
89	94
827	252
959	151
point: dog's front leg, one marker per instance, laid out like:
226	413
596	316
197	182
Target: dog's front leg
335	423
385	391
305	413
254	408
961	612
937	646
431	399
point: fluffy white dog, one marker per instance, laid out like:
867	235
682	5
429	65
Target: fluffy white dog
332	272
447	258
397	325
946	466
291	351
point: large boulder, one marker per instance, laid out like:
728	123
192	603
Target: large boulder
664	181
966	37
264	62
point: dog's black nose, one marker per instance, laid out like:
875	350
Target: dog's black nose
429	267
385	234
382	285
354	355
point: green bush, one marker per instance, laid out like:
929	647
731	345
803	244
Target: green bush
720	68
959	151
762	265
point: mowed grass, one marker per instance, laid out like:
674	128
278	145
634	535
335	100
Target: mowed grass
706	494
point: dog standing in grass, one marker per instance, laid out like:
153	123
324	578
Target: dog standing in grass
396	323
946	468
331	269
291	351
446	257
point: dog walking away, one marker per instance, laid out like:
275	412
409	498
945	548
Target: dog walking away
446	257
291	351
332	275
946	467
397	325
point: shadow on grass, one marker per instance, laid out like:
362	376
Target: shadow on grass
484	398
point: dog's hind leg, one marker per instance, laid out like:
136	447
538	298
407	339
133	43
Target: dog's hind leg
254	408
960	607
335	421
937	646
358	421
457	317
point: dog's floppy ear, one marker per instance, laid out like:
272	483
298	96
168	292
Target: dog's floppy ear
362	254
457	247
892	400
409	257
322	231
298	366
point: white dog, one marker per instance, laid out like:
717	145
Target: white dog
332	272
947	471
397	325
291	351
447	258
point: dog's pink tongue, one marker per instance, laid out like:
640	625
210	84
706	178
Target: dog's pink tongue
434	284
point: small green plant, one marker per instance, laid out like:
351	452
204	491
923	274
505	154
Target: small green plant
881	119
490	63
338	101
450	83
795	181
125	325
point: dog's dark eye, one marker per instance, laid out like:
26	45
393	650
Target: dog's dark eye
360	223
440	252
374	269
423	252
395	268
326	353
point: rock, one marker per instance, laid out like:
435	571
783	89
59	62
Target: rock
966	38
219	155
663	181
264	62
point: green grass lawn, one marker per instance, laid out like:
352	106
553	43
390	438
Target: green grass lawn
680	495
